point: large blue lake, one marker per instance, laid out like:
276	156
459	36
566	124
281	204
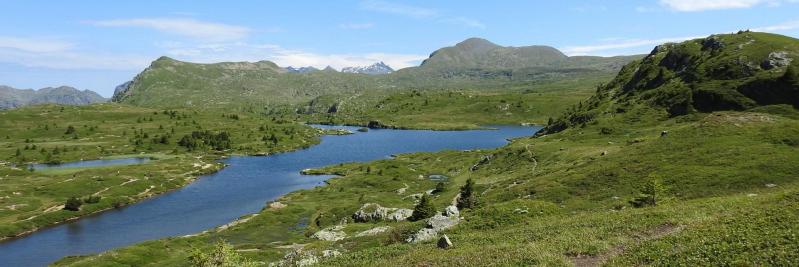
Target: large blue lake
242	188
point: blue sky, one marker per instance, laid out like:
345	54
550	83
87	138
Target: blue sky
99	44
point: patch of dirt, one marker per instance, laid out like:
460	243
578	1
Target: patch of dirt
737	119
599	260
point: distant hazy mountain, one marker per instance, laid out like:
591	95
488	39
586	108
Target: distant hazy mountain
374	69
13	98
301	69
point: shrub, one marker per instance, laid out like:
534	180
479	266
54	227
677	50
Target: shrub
92	199
425	209
467	199
73	204
221	255
650	194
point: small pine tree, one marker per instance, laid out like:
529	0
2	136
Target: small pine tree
70	130
650	195
425	209
440	187
73	204
467	199
19	152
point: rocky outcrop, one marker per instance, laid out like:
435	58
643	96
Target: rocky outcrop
776	59
334	233
370	212
445	220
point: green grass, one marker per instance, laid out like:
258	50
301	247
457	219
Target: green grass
575	200
30	199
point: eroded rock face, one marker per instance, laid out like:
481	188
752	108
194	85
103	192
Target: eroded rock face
776	59
374	212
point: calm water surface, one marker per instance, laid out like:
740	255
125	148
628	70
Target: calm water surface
242	188
90	164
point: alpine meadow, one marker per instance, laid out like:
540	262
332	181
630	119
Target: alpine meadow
383	133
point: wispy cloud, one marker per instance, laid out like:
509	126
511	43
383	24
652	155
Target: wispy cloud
35	45
702	5
605	47
241	51
356	26
785	26
203	30
417	12
398	9
59	54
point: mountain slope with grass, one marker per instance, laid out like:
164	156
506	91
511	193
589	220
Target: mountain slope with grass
172	83
740	72
641	173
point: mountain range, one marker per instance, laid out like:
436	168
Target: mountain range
472	63
13	98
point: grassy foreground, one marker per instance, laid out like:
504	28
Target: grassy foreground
52	134
562	199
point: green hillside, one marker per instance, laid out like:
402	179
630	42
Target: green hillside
474	63
684	159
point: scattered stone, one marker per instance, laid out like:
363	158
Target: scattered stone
300	257
771	185
277	205
442	221
451	211
751	195
664	133
374	231
444	242
334	233
330	253
604	152
402	190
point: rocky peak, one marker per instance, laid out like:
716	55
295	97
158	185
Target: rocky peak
374	69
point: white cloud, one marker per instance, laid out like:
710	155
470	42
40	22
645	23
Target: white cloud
701	5
59	54
419	13
604	48
785	26
207	31
35	45
356	26
241	51
398	9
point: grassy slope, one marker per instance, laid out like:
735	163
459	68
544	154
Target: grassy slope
32	199
463	109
